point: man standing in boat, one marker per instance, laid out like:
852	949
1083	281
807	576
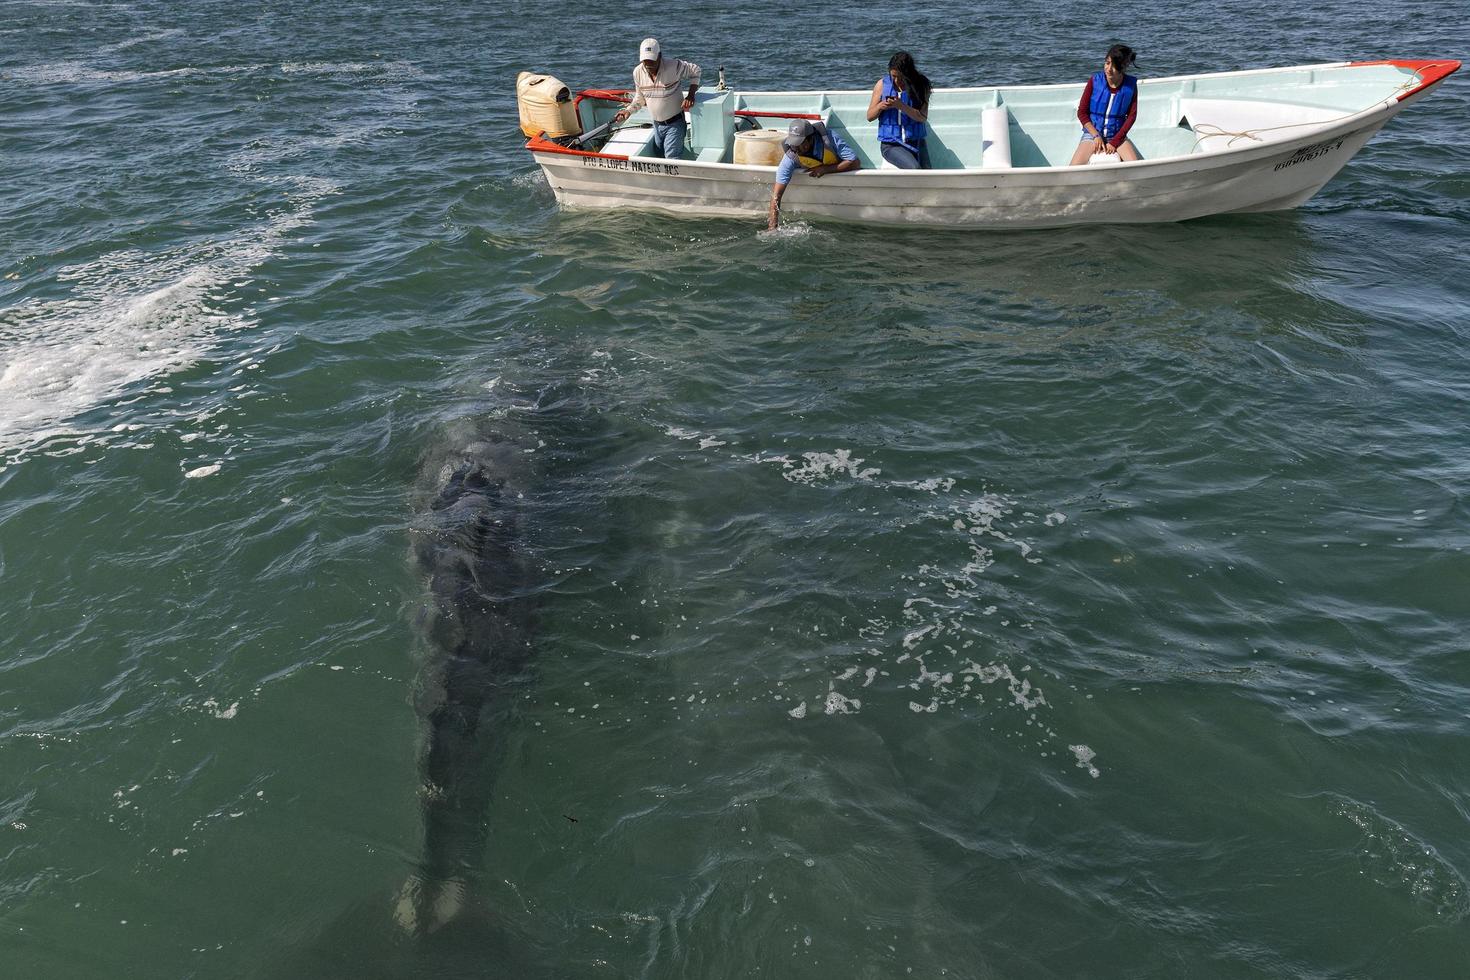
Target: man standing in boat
816	148
659	82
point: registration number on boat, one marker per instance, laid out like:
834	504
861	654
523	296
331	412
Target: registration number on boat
1310	153
635	165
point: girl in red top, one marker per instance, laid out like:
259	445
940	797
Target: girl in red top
1108	108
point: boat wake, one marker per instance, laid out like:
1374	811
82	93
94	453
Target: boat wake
131	316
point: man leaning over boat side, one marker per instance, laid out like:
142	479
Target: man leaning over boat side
658	82
817	149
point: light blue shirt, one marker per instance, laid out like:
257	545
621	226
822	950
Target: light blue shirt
789	163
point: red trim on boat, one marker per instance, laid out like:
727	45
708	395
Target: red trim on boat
606	94
777	115
624	94
602	94
540	144
1429	72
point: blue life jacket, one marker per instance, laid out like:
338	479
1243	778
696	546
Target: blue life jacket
1108	108
894	126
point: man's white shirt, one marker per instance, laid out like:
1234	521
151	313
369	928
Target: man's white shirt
664	92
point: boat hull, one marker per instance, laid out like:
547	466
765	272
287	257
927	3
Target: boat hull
1280	176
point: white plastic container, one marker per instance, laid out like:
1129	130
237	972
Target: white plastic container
759	147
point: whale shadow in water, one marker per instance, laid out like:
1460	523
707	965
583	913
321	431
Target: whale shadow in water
477	626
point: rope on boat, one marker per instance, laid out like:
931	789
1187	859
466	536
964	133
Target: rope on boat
1250	134
1201	135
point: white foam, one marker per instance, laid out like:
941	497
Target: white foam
130	318
202	471
793	230
141	39
935	484
78	73
1023	695
132	315
1085	756
822	466
384	69
1392	856
839	703
977	520
224	713
947	601
534	180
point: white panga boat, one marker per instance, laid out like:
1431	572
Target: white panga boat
1262	140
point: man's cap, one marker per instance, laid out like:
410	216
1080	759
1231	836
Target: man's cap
648	50
798	134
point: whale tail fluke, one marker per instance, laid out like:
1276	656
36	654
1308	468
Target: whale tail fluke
448	933
426	905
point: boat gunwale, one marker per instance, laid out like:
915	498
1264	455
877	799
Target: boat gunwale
1076	85
1209	160
1415	65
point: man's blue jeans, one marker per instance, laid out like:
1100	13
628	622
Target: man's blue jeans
668	138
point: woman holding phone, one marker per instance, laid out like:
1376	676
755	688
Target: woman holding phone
900	103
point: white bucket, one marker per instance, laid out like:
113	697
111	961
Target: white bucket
759	147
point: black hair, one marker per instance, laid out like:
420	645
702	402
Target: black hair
918	83
1122	55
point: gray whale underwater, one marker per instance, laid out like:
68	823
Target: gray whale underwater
477	632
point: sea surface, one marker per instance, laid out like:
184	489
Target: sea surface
906	603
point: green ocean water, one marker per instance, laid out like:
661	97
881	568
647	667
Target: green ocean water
1059	604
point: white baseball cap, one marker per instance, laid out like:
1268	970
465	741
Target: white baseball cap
648	50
